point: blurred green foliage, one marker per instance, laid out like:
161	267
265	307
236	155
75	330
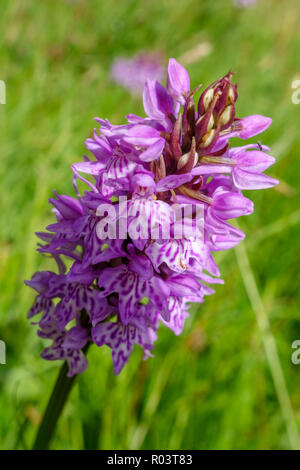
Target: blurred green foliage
210	388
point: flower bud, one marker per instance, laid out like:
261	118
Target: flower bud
226	117
188	123
208	139
205	123
188	160
205	100
175	138
232	94
182	161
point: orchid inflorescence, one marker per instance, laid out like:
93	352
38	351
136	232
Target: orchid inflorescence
117	289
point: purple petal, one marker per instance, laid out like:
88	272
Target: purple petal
143	178
178	314
173	181
109	279
246	180
183	284
178	81
142	266
77	362
99	147
119	338
91	168
209	169
154	151
158	103
75	338
142	136
253	125
254	161
69	207
229	205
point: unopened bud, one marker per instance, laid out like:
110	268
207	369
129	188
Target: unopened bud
211	123
207	98
188	160
231	98
188	123
190	112
205	123
207	139
226	116
182	161
175	138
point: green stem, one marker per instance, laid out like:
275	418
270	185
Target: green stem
55	406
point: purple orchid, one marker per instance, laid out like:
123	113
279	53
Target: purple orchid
131	267
244	3
133	72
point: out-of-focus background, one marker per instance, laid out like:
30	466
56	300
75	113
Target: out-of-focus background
228	381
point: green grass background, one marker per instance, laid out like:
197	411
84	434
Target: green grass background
220	385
